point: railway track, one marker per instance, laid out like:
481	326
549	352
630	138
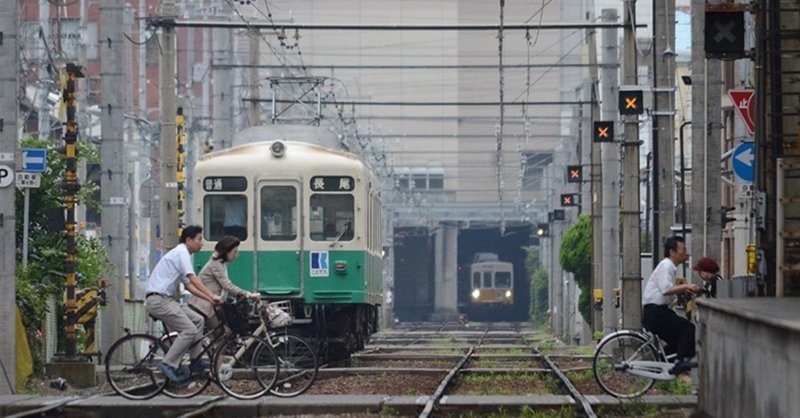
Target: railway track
424	370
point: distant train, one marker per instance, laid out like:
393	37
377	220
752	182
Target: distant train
309	218
492	281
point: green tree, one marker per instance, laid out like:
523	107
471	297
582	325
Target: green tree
539	285
45	275
576	258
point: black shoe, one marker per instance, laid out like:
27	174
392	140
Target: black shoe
682	367
199	366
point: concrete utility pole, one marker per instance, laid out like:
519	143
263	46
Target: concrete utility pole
663	123
706	146
221	119
9	117
609	76
169	144
114	175
631	245
596	181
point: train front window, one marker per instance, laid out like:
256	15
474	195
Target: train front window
331	217
225	214
487	279
278	213
476	279
502	280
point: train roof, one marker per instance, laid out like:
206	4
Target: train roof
301	156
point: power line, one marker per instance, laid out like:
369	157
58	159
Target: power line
161	21
409	67
409	103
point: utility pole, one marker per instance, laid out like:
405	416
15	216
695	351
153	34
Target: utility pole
169	143
630	212
222	86
663	123
596	181
114	176
706	144
609	76
9	117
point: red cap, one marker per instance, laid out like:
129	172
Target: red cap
706	264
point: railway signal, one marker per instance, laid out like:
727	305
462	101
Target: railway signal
574	174
724	31
569	199
630	102
603	131
543	230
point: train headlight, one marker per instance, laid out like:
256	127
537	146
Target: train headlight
508	294
278	149
476	294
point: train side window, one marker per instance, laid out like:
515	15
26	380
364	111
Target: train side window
487	279
278	213
225	214
331	217
502	280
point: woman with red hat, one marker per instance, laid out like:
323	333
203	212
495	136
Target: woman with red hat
708	270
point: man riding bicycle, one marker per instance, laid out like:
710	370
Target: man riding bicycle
162	285
660	291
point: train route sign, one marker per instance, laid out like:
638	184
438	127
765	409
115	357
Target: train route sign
745	107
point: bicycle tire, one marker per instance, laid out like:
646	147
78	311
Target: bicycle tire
608	365
245	366
196	384
298	365
130	366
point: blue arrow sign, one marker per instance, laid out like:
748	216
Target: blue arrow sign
34	159
744	158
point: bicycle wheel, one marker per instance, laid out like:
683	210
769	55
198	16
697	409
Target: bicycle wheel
197	382
246	366
298	365
131	366
610	360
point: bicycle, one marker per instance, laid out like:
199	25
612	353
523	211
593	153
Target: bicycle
243	365
627	363
297	359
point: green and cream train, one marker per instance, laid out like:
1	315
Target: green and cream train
309	218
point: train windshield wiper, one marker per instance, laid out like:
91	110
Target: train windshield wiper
338	237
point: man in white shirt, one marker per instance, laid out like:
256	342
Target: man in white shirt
661	290
162	285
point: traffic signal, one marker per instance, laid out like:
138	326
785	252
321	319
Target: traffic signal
630	102
724	31
543	230
574	174
603	131
569	199
724	218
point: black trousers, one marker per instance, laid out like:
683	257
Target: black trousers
677	332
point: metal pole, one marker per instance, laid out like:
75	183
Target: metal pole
9	120
630	212
683	186
169	146
25	221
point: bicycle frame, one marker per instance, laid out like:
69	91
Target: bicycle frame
658	370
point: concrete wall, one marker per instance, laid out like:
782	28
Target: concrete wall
748	363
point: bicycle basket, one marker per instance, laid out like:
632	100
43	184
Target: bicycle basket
277	314
234	316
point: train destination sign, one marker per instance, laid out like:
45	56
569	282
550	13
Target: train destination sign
332	183
225	184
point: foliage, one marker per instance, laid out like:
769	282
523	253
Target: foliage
539	285
45	275
576	258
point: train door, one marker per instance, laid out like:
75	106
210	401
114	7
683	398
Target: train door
279	263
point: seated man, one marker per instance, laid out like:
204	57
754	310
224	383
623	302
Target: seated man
173	268
657	316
